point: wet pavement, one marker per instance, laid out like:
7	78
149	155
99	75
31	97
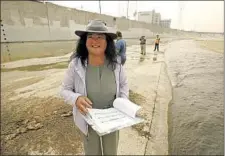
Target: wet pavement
196	115
149	79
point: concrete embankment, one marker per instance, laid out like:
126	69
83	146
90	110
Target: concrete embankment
150	80
45	29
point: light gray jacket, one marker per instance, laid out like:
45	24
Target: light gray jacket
74	86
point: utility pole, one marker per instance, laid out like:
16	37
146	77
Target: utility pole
100	7
181	10
127	8
136	12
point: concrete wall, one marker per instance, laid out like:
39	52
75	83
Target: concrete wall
35	21
47	25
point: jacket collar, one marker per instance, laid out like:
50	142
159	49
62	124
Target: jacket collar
80	69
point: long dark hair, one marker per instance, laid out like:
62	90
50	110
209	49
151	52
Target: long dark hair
81	51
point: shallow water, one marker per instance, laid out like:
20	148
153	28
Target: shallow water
196	115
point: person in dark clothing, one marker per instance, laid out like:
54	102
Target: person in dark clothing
121	47
143	45
157	43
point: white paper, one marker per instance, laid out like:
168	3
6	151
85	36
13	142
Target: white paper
105	121
126	106
108	118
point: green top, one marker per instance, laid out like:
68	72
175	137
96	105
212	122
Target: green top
101	85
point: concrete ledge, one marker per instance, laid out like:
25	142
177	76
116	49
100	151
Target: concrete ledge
158	142
149	79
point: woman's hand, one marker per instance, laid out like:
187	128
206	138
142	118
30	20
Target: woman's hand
83	103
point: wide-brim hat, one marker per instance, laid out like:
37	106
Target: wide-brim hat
96	26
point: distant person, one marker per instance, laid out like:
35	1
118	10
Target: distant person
121	47
143	45
157	43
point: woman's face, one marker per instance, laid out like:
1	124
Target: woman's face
96	43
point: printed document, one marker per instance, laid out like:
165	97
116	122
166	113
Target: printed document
123	114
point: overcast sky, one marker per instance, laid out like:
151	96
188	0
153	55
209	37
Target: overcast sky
207	16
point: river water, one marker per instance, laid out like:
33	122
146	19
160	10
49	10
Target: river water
196	114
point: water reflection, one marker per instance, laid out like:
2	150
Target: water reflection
142	58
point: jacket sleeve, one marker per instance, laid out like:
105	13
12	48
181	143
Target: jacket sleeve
68	92
124	89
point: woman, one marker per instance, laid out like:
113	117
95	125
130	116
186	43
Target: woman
94	79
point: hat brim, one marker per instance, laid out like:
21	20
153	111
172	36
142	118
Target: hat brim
81	32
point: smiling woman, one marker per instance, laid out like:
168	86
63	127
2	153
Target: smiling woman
96	44
93	80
